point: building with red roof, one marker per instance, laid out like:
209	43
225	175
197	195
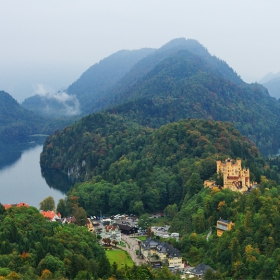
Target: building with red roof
51	215
7	206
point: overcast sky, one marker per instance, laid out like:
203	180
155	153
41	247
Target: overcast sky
51	43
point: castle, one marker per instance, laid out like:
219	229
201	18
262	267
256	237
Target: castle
234	177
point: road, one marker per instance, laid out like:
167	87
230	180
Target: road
209	234
132	246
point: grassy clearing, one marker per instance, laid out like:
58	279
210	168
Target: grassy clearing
142	238
121	258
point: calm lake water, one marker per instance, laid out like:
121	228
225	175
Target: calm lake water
21	179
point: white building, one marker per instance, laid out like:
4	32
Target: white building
111	232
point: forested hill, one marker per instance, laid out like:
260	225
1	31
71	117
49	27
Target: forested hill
95	82
16	123
134	169
249	108
34	248
177	81
251	249
138	74
182	80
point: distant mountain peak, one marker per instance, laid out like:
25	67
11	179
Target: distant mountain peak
268	77
182	43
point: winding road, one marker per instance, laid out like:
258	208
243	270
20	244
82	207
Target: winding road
131	247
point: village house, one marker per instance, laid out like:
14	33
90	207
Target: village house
159	253
112	232
223	225
68	220
89	225
199	271
127	229
7	206
51	215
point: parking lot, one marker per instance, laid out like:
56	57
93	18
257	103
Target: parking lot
161	231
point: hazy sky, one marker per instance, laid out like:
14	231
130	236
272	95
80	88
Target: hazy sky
48	44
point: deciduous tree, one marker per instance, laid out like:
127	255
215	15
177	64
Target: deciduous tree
48	204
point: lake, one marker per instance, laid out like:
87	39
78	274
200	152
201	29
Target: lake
21	178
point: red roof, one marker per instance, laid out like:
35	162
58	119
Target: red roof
22	204
110	227
7	206
49	214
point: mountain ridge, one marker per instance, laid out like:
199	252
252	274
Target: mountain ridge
147	64
17	123
273	87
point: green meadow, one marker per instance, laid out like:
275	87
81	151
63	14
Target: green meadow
121	258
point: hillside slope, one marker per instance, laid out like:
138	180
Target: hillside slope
17	123
182	80
179	80
133	79
102	76
91	86
250	250
273	87
186	86
59	104
145	167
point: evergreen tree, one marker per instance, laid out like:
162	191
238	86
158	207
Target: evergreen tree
104	269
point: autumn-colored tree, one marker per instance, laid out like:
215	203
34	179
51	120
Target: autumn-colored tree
46	274
14	276
72	204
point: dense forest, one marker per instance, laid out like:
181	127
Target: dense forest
129	168
251	249
185	86
31	247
